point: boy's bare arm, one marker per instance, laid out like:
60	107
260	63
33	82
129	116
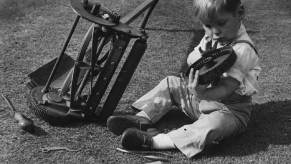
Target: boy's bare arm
225	88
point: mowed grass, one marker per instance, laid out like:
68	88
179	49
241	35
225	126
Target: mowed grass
32	33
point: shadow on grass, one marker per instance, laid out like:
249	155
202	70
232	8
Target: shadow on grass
270	124
38	131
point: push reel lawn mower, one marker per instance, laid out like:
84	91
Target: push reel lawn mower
70	90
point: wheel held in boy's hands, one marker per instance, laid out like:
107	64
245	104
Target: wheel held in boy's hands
213	64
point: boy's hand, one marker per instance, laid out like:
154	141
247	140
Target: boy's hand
208	47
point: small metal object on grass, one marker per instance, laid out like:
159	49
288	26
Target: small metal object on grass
24	122
156	158
56	148
155	162
152	155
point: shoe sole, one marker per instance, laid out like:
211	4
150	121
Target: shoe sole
118	125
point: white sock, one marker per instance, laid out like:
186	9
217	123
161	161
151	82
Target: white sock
163	141
143	114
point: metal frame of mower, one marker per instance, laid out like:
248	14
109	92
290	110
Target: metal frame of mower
66	89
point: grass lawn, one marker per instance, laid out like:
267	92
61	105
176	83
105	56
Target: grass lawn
32	32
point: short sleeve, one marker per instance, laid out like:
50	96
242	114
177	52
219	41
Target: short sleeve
246	69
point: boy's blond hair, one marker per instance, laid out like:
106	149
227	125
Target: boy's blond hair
209	8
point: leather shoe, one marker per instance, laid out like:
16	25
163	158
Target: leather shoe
134	139
118	124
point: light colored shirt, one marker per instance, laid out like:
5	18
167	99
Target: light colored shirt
246	68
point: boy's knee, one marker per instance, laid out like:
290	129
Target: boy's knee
162	101
172	78
168	82
172	81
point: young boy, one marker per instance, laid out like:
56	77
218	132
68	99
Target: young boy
217	111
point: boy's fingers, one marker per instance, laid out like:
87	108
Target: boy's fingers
196	77
215	45
190	76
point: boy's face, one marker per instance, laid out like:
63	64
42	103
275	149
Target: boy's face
223	27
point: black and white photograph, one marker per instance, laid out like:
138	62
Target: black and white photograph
145	81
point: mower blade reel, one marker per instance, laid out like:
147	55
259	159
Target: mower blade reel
40	76
123	78
107	72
